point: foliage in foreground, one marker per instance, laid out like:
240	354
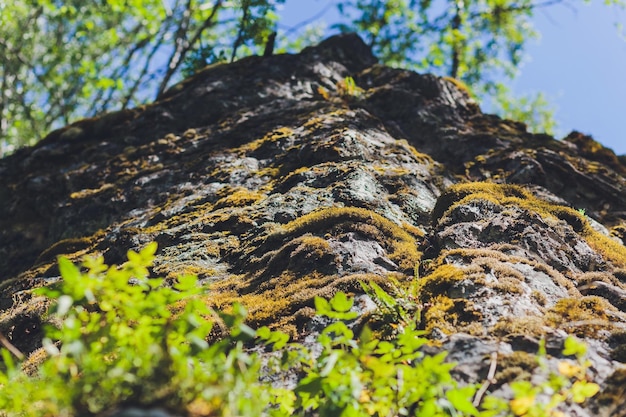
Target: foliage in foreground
125	339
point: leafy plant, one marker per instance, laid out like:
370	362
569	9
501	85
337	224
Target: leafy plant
395	311
123	338
569	384
120	341
365	376
63	60
348	87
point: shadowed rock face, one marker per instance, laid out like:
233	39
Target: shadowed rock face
275	181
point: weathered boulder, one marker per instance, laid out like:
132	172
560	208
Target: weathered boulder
275	180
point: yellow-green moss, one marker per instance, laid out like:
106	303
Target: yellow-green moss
273	136
584	316
532	326
589	277
515	366
314	245
508	285
619	231
593	152
91	193
419	156
607	247
539	297
508	279
438	282
413	230
31	365
450	315
456	194
390	170
479	262
300	255
279	302
400	245
513	195
71	247
193	214
237	197
271	172
171	275
459	85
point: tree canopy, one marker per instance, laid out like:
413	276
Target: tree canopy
67	59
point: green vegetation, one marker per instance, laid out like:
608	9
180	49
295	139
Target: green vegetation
121	338
348	87
63	60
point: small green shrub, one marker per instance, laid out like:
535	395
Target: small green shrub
120	343
569	384
348	87
364	376
125	339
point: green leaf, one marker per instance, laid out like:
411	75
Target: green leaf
8	361
104	83
264	333
134	343
461	399
366	337
186	283
95	264
329	363
278	340
322	306
523	388
70	273
339	330
341	303
581	390
574	346
148	252
329	309
311	385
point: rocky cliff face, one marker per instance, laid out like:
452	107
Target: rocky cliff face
276	179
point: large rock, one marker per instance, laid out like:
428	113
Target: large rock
274	180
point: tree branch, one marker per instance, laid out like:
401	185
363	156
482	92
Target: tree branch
142	74
241	31
96	105
311	19
174	64
456	48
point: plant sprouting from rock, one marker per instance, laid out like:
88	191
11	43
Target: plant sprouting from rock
123	338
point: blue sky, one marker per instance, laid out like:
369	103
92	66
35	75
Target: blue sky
579	62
